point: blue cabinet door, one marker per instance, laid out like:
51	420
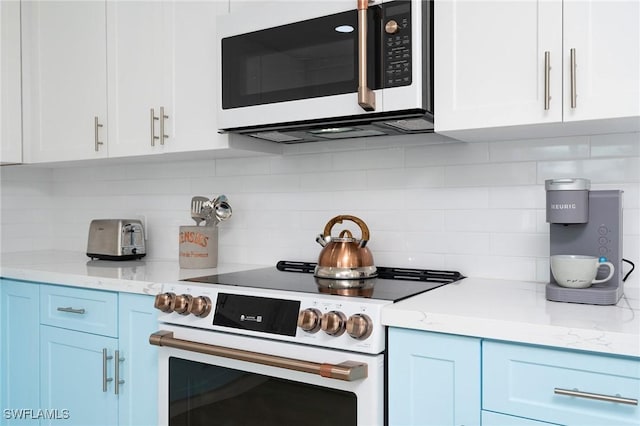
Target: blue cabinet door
138	395
72	377
19	353
434	379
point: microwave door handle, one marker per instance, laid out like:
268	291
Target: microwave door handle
366	96
348	371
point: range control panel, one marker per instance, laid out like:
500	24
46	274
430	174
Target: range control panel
397	45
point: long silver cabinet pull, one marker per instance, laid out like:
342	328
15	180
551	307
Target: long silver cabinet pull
547	75
153	127
118	381
348	371
96	136
163	117
105	360
366	96
574	95
72	310
596	396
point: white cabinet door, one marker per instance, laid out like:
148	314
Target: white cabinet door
10	103
140	59
606	39
196	77
489	63
64	80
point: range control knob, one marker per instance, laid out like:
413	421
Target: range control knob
391	27
309	320
164	302
333	323
181	304
359	326
200	306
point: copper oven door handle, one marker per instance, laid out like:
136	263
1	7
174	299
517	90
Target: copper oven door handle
348	371
366	96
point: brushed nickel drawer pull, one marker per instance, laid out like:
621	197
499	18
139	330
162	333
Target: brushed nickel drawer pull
348	371
547	69
72	310
574	95
105	379
96	126
118	381
163	117
596	396
153	127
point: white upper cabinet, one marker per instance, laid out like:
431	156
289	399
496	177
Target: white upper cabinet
10	103
139	57
605	38
505	67
64	80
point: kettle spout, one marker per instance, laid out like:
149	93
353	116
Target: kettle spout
320	239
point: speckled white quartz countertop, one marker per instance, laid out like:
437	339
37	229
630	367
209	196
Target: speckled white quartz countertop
519	312
76	269
495	309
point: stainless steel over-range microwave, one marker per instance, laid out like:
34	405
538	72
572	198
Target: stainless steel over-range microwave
298	71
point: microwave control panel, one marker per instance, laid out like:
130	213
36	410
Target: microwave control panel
397	44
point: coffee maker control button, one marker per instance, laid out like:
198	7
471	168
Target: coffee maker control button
603	230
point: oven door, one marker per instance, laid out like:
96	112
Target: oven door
298	61
212	378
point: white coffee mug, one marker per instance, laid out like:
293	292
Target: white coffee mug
576	271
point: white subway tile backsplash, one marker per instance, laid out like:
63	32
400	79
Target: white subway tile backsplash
607	170
446	154
540	149
494	174
616	145
428	201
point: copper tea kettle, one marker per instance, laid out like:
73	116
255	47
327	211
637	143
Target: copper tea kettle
345	257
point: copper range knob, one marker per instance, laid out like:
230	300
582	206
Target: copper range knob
333	323
164	302
359	326
181	304
309	320
200	306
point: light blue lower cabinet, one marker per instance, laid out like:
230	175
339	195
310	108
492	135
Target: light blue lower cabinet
58	361
560	386
77	377
496	419
19	353
139	369
434	379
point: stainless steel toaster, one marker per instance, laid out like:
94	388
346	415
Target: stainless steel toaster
116	239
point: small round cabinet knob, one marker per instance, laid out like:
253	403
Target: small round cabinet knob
333	323
164	302
359	326
391	27
181	304
309	320
200	306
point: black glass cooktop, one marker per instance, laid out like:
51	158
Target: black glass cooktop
297	279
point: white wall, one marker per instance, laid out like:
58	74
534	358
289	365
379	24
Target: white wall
477	208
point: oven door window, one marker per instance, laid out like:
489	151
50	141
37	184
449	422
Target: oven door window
313	58
203	394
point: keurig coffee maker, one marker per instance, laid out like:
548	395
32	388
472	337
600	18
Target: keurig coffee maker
587	223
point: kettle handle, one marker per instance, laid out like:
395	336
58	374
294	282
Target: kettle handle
338	219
